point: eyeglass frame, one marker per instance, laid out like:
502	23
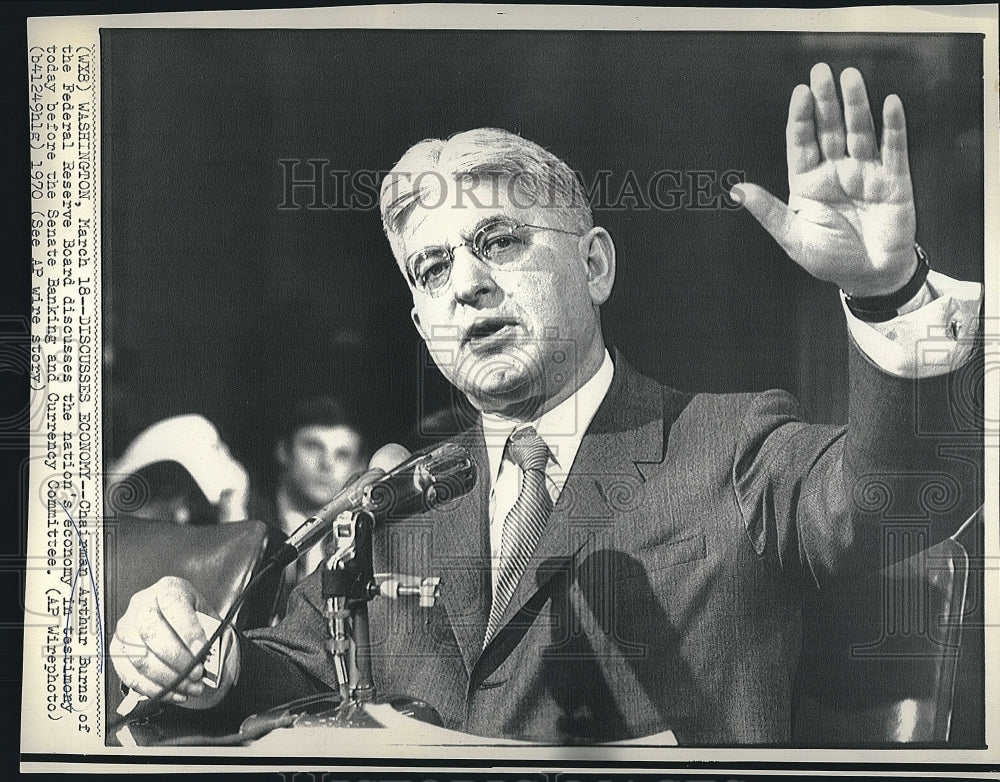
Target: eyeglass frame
449	250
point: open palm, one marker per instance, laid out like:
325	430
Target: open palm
850	217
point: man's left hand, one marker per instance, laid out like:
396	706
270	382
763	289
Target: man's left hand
850	217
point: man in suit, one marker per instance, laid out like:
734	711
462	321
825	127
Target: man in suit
633	558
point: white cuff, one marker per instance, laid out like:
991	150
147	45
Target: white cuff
934	336
229	673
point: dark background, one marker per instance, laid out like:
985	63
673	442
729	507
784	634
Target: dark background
217	301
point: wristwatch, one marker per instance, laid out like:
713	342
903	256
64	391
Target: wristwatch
878	309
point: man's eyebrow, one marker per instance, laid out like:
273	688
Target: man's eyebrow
309	439
492	218
486	221
467	235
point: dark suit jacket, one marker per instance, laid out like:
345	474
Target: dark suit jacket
666	589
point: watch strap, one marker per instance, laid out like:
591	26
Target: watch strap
878	309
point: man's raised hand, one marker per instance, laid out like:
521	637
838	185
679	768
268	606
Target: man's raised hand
850	217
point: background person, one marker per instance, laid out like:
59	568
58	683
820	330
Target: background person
317	450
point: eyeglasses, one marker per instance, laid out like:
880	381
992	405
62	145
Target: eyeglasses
496	243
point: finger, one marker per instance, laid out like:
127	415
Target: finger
187	639
800	132
140	670
894	155
162	620
857	116
176	602
777	219
829	121
162	674
122	652
138	683
160	656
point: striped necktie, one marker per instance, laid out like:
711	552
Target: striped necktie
524	523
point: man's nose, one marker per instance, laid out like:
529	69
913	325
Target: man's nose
471	279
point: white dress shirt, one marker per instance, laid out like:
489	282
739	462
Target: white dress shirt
562	428
931	337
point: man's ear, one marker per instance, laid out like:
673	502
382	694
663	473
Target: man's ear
416	322
597	251
281	453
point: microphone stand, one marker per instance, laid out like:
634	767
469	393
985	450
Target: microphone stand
348	585
421	482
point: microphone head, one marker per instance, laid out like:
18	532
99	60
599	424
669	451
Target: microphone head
389	456
423	482
447	473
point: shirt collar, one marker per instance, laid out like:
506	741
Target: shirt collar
562	427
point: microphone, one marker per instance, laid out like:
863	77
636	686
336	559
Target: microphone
388	457
314	529
421	483
418	483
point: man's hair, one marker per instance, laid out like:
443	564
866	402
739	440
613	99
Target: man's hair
538	177
316	411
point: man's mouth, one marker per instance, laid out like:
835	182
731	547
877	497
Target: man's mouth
488	332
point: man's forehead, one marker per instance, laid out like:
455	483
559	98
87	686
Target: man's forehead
336	435
458	209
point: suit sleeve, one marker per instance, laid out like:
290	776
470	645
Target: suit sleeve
826	501
282	663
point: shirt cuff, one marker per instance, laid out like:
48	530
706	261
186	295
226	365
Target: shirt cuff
229	673
934	335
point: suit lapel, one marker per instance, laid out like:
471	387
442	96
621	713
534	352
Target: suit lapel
606	477
461	556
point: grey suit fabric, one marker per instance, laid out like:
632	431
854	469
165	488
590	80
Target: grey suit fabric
666	590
